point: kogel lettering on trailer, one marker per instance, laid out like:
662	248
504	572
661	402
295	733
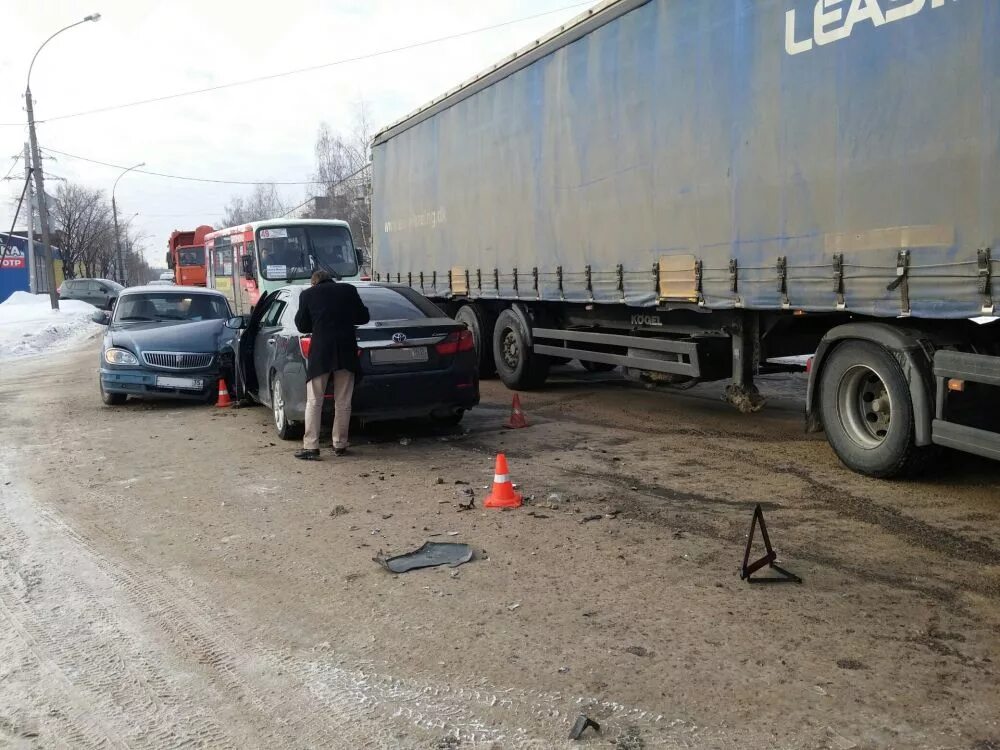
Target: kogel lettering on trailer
834	20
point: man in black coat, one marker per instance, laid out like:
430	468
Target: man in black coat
329	311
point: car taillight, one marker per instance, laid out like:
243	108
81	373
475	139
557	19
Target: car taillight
366	277
305	344
459	341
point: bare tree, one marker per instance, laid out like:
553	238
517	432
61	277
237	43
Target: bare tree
263	203
137	269
82	217
343	165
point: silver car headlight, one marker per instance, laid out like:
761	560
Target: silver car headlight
120	357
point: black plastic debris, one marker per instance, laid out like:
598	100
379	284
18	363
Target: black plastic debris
583	722
769	558
430	555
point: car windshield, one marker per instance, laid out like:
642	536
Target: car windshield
385	303
157	306
192	256
294	252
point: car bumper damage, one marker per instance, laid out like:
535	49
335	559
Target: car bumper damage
194	386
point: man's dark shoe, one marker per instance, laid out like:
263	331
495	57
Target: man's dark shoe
340	451
307	455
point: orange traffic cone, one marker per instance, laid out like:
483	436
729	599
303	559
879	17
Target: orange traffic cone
503	494
517	419
224	399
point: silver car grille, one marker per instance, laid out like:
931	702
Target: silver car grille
178	360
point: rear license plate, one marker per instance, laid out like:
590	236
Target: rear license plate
188	384
401	356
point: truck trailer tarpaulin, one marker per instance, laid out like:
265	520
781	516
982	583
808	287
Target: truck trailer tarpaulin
763	153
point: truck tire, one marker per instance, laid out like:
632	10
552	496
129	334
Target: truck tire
518	367
866	410
480	323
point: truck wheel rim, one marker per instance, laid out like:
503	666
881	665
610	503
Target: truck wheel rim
511	351
279	405
865	406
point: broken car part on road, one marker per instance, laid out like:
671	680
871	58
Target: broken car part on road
430	555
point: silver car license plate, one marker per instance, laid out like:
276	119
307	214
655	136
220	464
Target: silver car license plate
188	384
399	356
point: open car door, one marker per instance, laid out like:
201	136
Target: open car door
246	374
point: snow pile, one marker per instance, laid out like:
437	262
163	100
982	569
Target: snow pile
29	325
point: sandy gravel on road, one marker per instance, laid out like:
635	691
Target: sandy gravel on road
170	573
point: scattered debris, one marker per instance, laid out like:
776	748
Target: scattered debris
768	559
460	481
454	574
439	480
583	722
386	516
563	670
431	554
851	664
339	510
594	517
470	505
513	606
536	514
637	651
452	533
404	441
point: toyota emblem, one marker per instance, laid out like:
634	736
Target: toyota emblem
399	338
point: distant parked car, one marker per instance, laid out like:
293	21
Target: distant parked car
167	276
415	361
165	342
161	282
101	293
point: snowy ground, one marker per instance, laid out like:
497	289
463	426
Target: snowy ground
28	325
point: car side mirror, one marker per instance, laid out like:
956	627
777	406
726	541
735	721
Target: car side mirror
102	317
237	323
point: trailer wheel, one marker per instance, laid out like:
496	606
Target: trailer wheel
481	324
866	409
518	367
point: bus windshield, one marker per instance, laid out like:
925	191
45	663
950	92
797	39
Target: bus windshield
294	252
191	256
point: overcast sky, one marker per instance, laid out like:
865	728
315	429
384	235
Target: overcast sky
263	131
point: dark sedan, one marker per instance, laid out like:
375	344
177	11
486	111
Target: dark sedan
415	362
165	342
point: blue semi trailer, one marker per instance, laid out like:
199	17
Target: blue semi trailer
690	189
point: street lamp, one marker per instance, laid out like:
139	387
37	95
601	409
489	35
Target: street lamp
43	210
114	212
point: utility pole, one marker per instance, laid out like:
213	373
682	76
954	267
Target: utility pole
36	158
118	242
114	212
43	211
32	270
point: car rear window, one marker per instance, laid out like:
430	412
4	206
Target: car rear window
385	303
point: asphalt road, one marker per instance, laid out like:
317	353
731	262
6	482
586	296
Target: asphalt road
171	577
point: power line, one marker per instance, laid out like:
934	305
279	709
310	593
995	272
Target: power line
309	69
184	177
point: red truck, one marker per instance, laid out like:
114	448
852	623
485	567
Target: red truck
186	256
